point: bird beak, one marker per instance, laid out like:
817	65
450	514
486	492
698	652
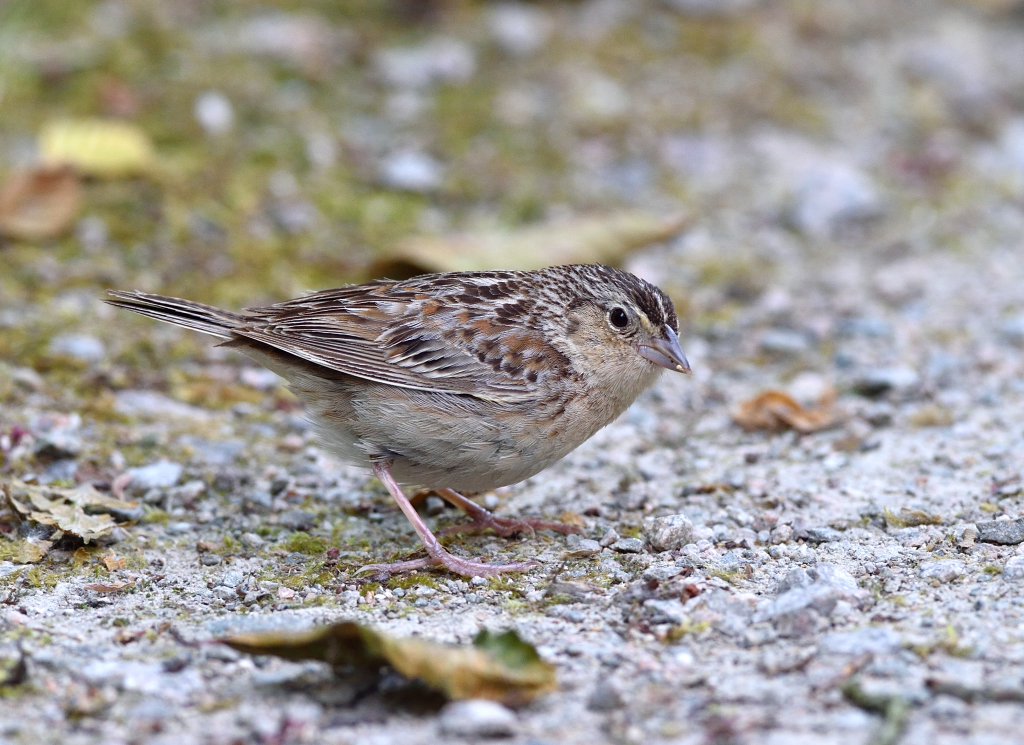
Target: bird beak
666	352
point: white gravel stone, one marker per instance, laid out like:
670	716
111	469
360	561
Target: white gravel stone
669	533
1014	569
944	570
214	113
518	28
160	475
476	718
78	346
411	170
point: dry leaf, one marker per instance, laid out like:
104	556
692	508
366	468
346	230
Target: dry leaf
585	240
124	636
571	518
107	587
775	410
39	204
68	510
113	563
500	667
97	147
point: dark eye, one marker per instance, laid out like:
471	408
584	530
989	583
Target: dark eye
618	318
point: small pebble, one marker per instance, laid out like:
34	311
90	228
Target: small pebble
669	533
609	538
1006	532
605	697
1013	570
214	113
78	346
160	475
628	546
476	717
944	570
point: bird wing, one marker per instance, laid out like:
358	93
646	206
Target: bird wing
468	335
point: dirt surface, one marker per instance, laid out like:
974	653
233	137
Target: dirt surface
853	175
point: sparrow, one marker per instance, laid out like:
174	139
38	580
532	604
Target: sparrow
458	381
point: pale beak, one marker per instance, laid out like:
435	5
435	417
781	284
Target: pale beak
666	352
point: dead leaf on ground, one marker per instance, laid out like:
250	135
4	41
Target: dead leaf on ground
775	410
39	204
113	563
501	667
97	147
68	510
107	587
585	240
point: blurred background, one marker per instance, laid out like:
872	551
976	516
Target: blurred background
240	153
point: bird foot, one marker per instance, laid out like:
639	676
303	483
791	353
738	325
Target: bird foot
456	564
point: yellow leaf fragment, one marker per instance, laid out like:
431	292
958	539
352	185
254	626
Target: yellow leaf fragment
107	587
97	147
775	411
585	240
113	563
39	204
500	667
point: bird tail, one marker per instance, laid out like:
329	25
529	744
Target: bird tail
185	313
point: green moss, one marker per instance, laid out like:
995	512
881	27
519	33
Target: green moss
304	543
317	574
154	516
732	576
557	599
409	581
229	546
42	578
515	605
686	628
907	518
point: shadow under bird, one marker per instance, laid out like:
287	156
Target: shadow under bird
462	381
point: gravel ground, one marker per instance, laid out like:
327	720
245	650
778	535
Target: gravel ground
855	180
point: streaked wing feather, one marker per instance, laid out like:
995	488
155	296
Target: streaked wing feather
400	337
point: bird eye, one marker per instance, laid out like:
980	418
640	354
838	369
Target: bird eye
618	318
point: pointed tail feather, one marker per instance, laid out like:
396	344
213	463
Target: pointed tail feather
185	313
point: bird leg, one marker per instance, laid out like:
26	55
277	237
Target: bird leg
436	554
504	526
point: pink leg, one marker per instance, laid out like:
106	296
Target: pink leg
504	526
436	554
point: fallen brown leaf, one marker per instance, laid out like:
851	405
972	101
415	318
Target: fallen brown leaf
113	563
39	204
571	518
107	587
124	636
584	240
500	667
774	410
